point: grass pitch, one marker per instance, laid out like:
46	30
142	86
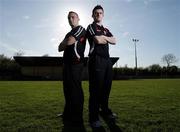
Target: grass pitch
141	105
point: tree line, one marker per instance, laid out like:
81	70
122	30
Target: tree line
9	69
152	71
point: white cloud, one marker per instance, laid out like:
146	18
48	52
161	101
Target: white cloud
53	39
13	34
41	26
128	0
10	50
26	17
146	2
8	47
44	23
121	25
125	34
55	42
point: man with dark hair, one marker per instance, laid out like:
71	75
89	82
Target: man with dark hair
100	69
73	46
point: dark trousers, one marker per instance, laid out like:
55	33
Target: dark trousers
73	93
100	80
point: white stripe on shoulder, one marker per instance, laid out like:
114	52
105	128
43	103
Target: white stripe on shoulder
92	29
78	30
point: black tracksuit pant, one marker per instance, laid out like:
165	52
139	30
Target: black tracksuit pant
73	93
100	80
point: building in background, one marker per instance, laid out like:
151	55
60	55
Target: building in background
46	67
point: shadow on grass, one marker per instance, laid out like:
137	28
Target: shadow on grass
114	128
67	128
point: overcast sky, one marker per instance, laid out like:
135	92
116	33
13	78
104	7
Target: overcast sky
36	27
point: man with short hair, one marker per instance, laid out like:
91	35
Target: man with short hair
100	69
73	46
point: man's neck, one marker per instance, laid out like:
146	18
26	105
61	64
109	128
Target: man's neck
99	23
74	26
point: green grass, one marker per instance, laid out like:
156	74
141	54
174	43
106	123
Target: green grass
142	105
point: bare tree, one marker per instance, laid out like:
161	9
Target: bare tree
169	59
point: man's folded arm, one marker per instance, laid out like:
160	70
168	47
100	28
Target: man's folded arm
62	45
99	39
110	40
104	39
67	41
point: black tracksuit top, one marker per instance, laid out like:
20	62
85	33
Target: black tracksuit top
74	54
98	49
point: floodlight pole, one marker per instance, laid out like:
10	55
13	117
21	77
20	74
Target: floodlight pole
135	41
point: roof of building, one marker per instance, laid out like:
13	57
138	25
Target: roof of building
47	60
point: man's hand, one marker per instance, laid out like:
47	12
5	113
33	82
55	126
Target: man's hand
71	40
